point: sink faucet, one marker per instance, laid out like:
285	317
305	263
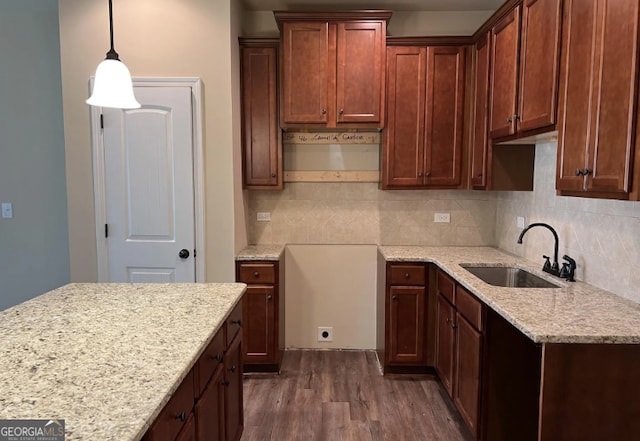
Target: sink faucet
568	269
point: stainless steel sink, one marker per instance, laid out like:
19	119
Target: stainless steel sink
508	276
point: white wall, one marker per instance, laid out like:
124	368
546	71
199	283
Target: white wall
155	38
331	285
34	250
403	23
603	236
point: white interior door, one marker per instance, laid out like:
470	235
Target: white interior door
149	188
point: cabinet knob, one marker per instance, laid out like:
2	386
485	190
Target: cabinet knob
427	174
273	175
509	121
406	275
256	274
341	111
587	171
394	297
182	416
269	297
453	325
479	175
225	383
236	322
217	357
232	368
419	174
323	111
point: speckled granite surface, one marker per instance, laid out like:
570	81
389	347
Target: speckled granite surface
261	252
575	313
106	357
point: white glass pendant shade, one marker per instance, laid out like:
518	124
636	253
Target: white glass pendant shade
112	86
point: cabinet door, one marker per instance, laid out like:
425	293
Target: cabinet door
233	403
210	417
479	146
360	72
406	330
444	115
616	79
259	328
576	92
445	342
539	63
305	72
403	156
504	74
467	372
260	130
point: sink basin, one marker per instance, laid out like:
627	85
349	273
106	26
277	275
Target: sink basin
508	276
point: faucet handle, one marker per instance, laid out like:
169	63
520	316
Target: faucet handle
571	264
547	264
564	271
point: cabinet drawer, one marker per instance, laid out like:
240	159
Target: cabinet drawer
407	274
446	287
469	307
257	273
209	361
174	415
234	323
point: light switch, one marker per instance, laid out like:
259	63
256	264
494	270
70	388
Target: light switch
264	216
7	210
442	217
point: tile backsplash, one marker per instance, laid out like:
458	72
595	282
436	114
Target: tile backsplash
360	213
603	236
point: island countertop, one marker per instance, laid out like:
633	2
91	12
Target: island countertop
573	313
106	358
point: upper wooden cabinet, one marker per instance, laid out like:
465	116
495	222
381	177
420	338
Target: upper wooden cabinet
423	137
480	138
332	68
599	80
525	47
261	135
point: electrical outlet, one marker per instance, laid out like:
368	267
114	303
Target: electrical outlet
520	221
7	210
264	216
325	333
442	217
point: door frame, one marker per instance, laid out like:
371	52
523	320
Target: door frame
99	189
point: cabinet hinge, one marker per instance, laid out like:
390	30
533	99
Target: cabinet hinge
194	253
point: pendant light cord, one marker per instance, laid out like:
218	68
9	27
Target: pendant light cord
112	54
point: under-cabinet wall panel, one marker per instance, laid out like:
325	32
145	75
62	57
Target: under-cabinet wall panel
332	286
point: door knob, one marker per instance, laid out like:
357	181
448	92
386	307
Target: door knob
184	253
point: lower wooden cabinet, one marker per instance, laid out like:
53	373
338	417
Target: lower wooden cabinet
208	404
263	314
406	317
210	409
459	346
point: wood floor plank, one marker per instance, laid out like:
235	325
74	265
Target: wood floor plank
343	396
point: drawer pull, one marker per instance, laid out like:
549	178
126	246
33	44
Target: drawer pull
225	383
182	416
236	322
217	357
232	368
256	274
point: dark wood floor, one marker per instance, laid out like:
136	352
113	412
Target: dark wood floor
340	396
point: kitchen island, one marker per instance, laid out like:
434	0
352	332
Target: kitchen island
106	358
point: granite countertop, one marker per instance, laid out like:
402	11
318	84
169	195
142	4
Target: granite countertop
106	357
574	313
261	252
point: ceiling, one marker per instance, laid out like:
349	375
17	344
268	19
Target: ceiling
394	5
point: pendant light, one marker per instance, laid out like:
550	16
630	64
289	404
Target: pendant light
112	86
